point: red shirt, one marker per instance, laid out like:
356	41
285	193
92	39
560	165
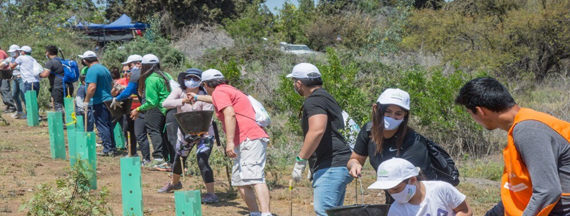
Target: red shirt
246	127
3	56
125	82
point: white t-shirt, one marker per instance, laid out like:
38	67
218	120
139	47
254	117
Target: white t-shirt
26	64
440	200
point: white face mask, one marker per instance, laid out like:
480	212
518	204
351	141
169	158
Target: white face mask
12	54
295	89
391	124
406	194
191	83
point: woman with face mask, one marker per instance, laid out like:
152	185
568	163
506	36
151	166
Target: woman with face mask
415	197
389	136
180	98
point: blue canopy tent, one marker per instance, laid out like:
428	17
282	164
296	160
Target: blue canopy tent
119	30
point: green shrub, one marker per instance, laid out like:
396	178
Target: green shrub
170	58
70	196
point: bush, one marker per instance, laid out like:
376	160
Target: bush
70	196
170	58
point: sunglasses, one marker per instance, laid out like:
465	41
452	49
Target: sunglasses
192	78
126	71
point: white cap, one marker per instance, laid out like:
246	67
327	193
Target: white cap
211	74
88	54
392	172
150	59
304	70
133	58
395	97
26	49
14	48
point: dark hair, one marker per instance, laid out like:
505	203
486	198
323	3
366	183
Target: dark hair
82	78
90	60
51	49
310	82
485	92
377	133
216	82
115	74
146	71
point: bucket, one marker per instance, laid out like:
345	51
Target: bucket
360	210
6	74
126	110
194	122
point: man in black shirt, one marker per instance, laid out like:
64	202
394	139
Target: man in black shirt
53	70
323	143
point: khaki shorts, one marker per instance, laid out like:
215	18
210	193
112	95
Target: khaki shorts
249	164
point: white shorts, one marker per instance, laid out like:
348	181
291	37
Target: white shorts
249	164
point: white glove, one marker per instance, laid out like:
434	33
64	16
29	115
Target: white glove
83	105
116	104
298	170
119	87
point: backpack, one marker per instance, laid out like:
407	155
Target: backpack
351	128
70	70
37	68
261	116
441	163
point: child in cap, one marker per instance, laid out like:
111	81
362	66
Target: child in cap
414	197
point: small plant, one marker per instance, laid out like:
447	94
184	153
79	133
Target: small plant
70	196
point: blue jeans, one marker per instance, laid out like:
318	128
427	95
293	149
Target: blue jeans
90	118
28	87
329	185
18	90
103	121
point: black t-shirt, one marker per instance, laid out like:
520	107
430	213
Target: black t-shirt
332	150
56	76
413	149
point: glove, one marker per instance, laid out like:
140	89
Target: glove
116	104
83	105
299	169
119	87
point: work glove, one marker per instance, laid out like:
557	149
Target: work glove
116	104
119	87
299	168
83	105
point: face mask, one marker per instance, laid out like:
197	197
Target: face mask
391	124
191	83
405	196
12	54
295	89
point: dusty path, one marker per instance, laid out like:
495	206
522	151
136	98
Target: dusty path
26	163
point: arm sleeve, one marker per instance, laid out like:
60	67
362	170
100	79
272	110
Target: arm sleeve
151	95
18	61
221	100
130	90
453	196
314	106
49	66
361	145
535	146
91	77
173	100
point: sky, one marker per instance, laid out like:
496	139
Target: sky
271	4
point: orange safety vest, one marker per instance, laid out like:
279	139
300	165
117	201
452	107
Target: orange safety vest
516	184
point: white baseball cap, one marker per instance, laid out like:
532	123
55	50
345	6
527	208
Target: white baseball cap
304	70
88	54
392	172
395	97
150	59
133	58
211	74
14	48
26	49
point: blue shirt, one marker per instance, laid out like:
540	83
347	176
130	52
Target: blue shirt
101	76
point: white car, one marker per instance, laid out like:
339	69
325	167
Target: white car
297	49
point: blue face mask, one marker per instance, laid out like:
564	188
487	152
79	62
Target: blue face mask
391	124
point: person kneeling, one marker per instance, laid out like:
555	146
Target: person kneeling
415	197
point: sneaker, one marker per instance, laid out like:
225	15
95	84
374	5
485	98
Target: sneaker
210	198
167	188
145	163
154	163
19	115
165	167
98	145
107	154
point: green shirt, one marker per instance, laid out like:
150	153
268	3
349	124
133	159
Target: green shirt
155	92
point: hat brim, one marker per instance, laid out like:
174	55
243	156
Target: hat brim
12	51
384	185
124	63
289	75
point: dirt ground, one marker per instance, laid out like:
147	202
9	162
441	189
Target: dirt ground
26	163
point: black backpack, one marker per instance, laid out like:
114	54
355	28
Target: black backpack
441	163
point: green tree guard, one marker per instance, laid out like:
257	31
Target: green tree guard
85	143
131	185
119	136
188	203
68	102
56	137
32	108
79	125
72	148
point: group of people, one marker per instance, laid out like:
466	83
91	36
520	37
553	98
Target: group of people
536	178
